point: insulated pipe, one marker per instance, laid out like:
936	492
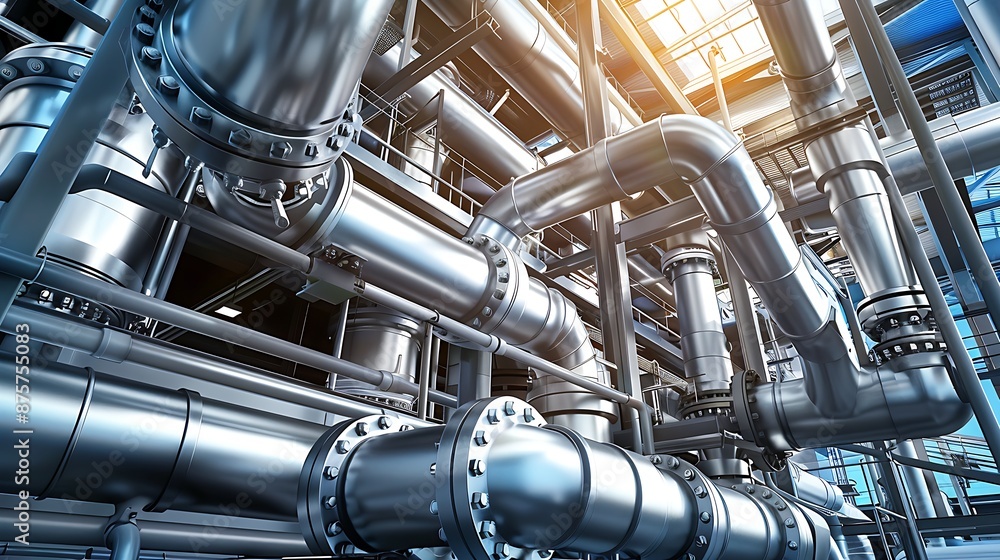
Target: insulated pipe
531	60
260	57
122	442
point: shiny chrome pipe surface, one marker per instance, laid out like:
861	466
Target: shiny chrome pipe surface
122	442
689	265
531	60
497	481
269	59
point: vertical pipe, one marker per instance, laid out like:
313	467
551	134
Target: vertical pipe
123	541
171	235
967	235
426	370
965	230
720	93
746	316
26	219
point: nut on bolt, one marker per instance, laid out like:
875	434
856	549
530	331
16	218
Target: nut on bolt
482	437
150	56
168	86
331	472
280	150
343	446
487	529
477	467
241	138
145	33
508	408
201	117
361	429
501	550
529	415
385	422
334	529
480	500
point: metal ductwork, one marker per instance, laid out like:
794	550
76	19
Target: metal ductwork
384	340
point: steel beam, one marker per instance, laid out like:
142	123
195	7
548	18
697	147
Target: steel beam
872	71
615	17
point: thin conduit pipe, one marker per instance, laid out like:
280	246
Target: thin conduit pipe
214	225
64	279
116	346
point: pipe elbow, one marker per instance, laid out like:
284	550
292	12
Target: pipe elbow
921	397
500	220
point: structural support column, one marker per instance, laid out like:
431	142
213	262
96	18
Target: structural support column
27	218
614	295
746	317
871	69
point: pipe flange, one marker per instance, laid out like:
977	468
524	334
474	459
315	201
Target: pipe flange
892	309
697	406
507	273
681	255
320	503
204	128
463	500
797	539
44	63
929	341
743	404
713	525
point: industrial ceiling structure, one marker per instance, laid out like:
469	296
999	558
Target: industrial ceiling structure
500	279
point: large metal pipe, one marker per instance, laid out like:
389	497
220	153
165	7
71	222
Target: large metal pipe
724	180
689	265
503	484
482	284
742	210
260	56
121	442
462	123
818	90
531	60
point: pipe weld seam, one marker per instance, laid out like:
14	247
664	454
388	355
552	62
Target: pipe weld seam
756	221
75	437
857	165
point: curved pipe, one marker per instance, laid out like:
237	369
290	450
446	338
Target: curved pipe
743	211
123	541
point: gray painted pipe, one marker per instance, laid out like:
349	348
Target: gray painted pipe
123	541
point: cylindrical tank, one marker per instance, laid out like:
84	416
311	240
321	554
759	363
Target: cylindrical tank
381	339
96	232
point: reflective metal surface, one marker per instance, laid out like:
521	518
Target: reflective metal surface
384	340
103	235
263	57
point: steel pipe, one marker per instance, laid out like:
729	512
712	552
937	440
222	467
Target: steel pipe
529	59
259	56
60	278
117	346
121	442
499	482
